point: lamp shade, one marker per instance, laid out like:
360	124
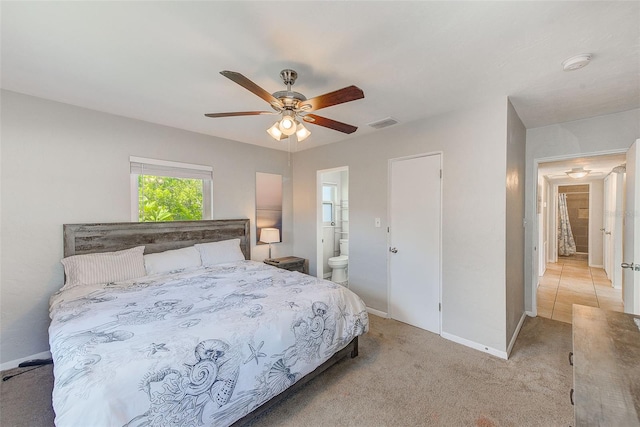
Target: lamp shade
287	126
288	123
275	133
302	132
270	235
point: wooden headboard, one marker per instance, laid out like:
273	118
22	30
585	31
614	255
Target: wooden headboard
155	236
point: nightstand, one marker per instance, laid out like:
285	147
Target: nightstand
291	263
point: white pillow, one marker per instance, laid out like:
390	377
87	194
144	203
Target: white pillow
220	252
106	267
175	259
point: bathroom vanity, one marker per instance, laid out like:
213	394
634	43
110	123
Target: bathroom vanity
606	367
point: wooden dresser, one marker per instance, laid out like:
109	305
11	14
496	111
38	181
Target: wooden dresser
606	367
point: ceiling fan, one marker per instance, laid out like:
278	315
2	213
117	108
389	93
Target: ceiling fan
294	106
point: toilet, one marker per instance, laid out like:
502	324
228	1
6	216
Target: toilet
339	264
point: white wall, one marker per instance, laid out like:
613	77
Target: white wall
63	164
473	143
597	135
516	139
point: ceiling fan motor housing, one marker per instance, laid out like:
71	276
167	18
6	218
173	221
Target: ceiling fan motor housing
288	76
289	98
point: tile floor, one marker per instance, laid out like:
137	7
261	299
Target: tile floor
571	281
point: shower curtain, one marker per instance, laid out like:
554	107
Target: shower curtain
566	244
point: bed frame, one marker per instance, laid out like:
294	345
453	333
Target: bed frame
155	236
161	236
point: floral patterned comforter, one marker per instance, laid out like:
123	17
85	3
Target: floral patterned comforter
195	347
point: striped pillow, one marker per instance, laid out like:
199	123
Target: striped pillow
91	269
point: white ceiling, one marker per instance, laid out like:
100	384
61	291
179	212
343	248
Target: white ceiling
160	61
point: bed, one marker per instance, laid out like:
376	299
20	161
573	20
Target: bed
214	344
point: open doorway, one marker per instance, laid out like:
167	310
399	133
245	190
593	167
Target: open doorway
574	220
333	225
584	270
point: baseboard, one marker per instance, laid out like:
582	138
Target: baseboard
515	334
474	345
14	363
533	313
378	312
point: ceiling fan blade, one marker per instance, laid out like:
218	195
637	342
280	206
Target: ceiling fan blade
240	113
350	93
252	87
328	123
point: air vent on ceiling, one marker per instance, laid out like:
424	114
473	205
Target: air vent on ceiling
388	121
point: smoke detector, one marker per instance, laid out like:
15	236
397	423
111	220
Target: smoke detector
576	62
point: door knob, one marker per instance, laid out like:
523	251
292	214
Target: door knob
393	250
634	267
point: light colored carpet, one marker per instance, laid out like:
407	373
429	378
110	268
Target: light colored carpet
404	376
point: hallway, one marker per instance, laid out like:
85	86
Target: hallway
572	281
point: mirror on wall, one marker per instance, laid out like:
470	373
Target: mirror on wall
268	207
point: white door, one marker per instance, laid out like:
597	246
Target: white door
617	232
607	226
414	241
631	249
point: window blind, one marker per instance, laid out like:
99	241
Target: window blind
142	166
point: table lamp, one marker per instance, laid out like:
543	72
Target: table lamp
270	235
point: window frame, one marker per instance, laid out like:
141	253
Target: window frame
183	170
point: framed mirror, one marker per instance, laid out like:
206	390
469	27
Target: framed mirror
268	207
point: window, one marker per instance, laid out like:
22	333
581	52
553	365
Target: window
170	191
328	201
327	212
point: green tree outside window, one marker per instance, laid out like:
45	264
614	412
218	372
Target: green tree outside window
169	199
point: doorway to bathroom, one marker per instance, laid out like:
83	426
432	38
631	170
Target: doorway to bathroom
333	224
573	222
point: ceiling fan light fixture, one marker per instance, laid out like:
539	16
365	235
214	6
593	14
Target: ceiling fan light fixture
287	126
275	133
288	123
294	106
578	172
302	132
